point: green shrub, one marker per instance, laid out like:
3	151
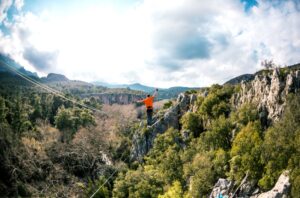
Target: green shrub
140	183
191	91
245	114
245	153
175	191
218	135
201	175
93	186
167	105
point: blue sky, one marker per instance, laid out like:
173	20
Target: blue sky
249	4
154	42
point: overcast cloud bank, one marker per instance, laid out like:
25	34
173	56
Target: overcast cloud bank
155	42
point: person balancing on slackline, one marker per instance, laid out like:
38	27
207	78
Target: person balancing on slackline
149	106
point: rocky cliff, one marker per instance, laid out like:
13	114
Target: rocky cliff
144	137
269	91
226	187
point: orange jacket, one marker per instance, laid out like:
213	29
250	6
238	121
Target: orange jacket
149	102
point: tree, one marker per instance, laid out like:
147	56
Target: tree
245	153
281	145
268	64
245	114
37	108
175	191
87	119
164	156
92	187
63	119
144	182
65	123
19	116
3	110
201	175
218	135
191	121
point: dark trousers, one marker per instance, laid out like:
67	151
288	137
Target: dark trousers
149	116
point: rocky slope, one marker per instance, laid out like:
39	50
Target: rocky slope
144	137
269	91
226	187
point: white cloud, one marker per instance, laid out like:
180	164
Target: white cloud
157	42
19	4
4	6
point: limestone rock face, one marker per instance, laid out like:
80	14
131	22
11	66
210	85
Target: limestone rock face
144	137
280	190
226	188
269	91
223	187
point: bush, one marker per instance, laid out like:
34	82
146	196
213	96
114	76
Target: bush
201	175
175	191
93	186
69	121
140	183
245	114
167	105
191	121
218	135
245	153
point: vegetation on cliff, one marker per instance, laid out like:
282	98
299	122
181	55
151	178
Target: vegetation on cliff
51	147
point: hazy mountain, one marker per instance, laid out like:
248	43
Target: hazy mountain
55	78
135	86
238	79
164	93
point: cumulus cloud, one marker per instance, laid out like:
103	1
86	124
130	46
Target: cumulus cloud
19	4
41	60
4	6
218	39
158	42
20	46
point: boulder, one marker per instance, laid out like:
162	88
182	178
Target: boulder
280	190
222	187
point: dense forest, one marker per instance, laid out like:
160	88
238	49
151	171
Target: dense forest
54	147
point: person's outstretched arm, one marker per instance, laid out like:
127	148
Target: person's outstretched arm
155	93
140	101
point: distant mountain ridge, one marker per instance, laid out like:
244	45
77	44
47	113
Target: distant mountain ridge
164	93
52	77
239	79
134	86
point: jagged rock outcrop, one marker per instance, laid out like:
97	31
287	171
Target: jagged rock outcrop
223	187
226	187
280	190
269	91
144	137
